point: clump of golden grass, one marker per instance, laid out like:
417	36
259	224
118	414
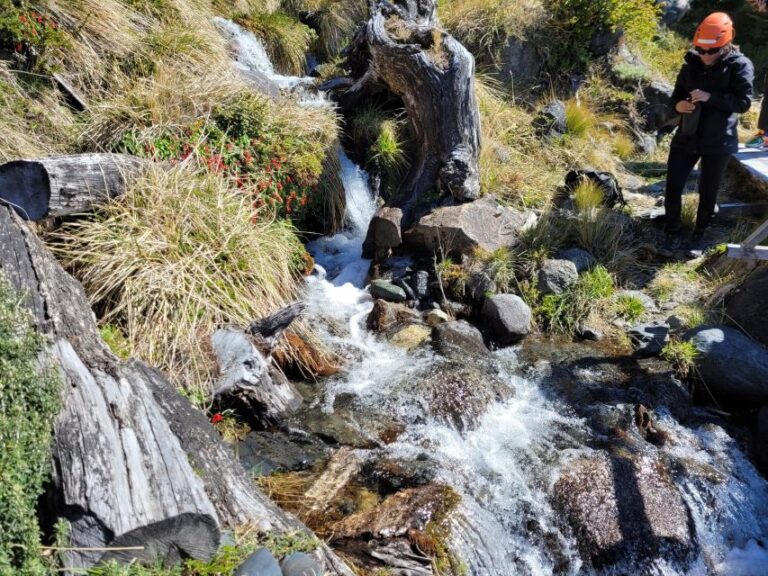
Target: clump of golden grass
33	119
482	25
587	195
514	163
176	257
688	212
337	20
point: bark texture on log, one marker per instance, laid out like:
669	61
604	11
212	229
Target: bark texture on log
121	477
249	384
134	463
63	185
402	49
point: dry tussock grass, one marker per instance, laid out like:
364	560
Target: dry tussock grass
177	257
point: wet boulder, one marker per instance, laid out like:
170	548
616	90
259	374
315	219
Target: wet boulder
761	439
555	276
623	509
458	337
388	291
411	336
507	317
385	315
397	515
457	392
264	452
733	366
462	228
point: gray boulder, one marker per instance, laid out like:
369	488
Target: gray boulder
674	10
520	62
458	336
301	564
733	366
483	223
550	121
387	291
507	317
648	339
420	284
260	563
555	276
654	107
582	259
384	231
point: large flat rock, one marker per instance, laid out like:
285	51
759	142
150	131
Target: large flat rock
483	223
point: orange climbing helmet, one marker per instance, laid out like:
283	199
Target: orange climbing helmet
715	31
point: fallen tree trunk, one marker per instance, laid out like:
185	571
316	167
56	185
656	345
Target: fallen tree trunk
401	49
63	185
135	466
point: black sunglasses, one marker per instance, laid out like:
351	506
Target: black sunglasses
708	51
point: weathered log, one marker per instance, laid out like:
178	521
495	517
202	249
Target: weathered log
62	185
249	384
121	477
402	50
134	463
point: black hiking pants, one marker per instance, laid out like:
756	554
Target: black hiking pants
679	167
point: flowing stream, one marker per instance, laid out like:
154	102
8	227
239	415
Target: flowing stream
505	464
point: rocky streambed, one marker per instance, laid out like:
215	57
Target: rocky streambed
429	453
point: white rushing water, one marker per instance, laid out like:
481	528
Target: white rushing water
504	467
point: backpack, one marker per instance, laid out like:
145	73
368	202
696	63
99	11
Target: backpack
605	181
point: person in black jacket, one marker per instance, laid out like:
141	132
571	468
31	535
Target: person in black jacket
713	87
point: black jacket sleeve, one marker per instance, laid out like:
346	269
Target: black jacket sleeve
739	98
680	91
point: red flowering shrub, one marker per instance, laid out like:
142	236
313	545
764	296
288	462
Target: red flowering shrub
279	171
27	32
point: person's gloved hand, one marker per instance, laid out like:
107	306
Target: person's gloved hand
699	96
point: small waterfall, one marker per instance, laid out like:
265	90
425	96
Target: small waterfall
505	466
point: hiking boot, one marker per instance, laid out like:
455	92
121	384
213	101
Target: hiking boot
696	246
670	245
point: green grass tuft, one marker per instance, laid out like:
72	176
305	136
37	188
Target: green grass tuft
682	355
630	308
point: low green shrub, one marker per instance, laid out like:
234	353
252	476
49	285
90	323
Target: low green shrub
277	166
630	308
682	355
29	402
574	23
